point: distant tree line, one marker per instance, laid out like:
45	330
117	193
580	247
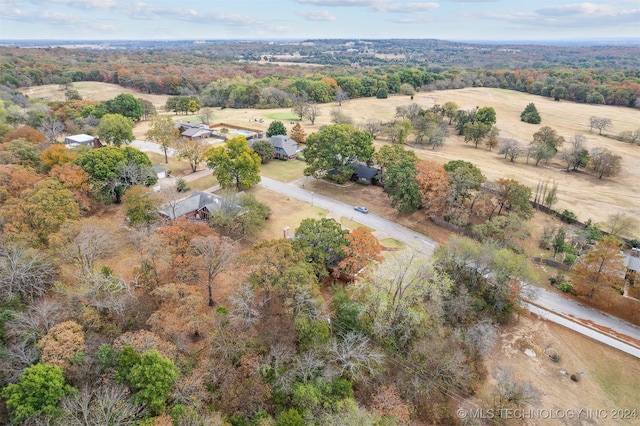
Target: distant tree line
245	85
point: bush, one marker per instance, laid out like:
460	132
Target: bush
181	185
570	259
565	287
568	216
530	114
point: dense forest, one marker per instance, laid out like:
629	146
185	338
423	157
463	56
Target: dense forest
238	74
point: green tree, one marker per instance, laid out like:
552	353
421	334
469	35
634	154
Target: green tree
152	378
322	240
486	115
163	131
463	177
38	392
400	184
141	206
276	128
450	110
126	105
115	129
388	155
265	150
334	147
475	132
290	417
239	216
234	164
515	196
530	114
545	144
116	169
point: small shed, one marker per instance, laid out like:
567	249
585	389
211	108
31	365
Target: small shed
160	172
82	139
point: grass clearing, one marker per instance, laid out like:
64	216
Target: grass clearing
392	243
203	183
174	167
284	171
351	224
288	116
286	211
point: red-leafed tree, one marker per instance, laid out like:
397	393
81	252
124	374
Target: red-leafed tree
434	185
362	249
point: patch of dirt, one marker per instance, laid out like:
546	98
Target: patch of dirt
608	378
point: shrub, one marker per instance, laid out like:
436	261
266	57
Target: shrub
530	114
570	259
568	216
565	287
181	185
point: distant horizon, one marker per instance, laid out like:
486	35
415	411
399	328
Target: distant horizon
572	40
494	20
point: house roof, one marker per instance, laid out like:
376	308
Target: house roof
363	171
195	132
288	145
80	139
194	202
632	263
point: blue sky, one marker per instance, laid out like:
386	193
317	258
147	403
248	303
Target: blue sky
298	19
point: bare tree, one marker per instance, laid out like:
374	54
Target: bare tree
511	149
341	96
51	127
631	136
245	307
24	272
299	108
511	393
373	126
213	255
599	123
354	358
205	114
312	111
104	405
620	223
84	242
482	336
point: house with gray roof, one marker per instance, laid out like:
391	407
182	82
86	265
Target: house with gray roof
198	206
285	148
194	131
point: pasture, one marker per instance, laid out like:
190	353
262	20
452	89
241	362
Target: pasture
581	192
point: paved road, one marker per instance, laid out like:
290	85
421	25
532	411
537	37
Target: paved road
378	223
590	322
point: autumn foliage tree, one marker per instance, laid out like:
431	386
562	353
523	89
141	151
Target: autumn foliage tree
600	268
362	249
434	185
297	133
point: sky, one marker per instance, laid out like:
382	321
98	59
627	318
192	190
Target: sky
313	19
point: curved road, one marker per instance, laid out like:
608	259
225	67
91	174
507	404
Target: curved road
590	322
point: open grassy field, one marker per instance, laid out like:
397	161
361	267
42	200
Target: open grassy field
582	193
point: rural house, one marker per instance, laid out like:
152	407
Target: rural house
194	131
285	147
198	206
364	174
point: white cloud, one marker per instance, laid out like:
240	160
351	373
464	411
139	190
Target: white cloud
320	15
406	7
385	6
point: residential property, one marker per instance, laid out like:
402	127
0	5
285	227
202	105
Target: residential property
198	206
160	172
285	147
194	131
75	141
365	174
